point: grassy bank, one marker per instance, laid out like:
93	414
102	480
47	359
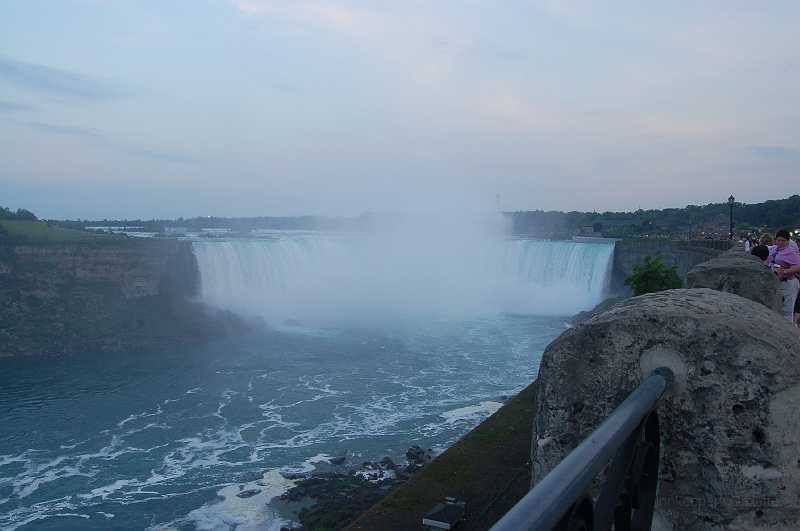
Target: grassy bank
489	468
39	231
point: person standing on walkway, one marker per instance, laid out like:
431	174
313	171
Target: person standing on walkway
785	261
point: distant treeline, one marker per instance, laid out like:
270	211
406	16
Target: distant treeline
244	225
669	222
20	213
769	215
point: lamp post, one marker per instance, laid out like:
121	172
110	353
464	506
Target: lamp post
731	199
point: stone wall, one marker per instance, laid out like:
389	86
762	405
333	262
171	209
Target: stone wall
111	295
683	254
730	427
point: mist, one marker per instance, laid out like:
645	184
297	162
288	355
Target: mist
446	266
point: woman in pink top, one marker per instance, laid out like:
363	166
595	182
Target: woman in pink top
785	261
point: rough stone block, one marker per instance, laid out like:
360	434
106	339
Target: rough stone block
730	427
740	273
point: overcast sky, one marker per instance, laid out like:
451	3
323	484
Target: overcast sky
157	108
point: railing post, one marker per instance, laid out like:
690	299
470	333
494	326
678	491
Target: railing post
630	435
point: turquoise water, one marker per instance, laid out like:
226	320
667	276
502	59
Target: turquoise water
149	440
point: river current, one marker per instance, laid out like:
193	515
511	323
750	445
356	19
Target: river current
147	440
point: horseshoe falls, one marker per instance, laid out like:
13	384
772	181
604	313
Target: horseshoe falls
329	280
371	344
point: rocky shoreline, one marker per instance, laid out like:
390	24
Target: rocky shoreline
337	491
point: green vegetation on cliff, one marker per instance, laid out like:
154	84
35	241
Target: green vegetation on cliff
21	213
30	231
22	226
652	276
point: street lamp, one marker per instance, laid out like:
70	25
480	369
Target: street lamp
731	199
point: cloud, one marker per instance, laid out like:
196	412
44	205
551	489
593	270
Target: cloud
62	83
98	138
339	16
11	106
319	13
67	130
777	153
160	156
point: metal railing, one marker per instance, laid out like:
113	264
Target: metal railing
627	446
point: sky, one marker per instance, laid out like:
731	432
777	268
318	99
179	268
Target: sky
167	108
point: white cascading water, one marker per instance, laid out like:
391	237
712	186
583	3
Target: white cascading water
329	280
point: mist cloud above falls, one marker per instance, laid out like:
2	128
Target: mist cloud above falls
416	269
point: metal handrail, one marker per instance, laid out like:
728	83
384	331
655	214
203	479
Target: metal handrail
566	486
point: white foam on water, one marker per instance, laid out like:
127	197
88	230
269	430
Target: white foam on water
11	459
22	516
471	413
34	475
203	458
306	466
107	490
250	513
375	475
186	455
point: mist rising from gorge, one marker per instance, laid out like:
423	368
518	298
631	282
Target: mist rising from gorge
421	267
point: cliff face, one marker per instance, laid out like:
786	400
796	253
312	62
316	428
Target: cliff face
61	298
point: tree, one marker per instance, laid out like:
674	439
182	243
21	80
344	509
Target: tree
653	275
21	213
25	214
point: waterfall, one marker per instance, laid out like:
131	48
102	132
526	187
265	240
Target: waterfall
577	273
335	279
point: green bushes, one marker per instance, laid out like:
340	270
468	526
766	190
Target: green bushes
653	276
21	213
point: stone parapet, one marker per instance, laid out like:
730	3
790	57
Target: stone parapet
730	428
740	273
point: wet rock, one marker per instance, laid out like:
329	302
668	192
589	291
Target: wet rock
249	493
387	464
293	475
729	426
419	457
337	500
331	500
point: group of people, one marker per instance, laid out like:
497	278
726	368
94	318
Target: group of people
782	256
